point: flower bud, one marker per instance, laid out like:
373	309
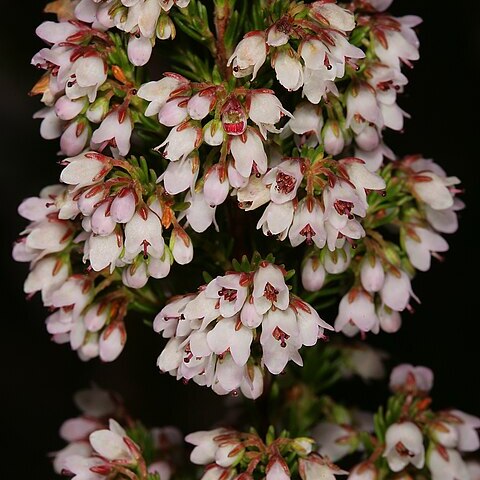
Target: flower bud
96	317
213	133
139	50
181	247
67	109
102	222
333	138
216	189
123	206
112	342
372	275
135	276
98	110
74	138
313	275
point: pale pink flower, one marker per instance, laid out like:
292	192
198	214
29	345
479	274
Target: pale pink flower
421	244
103	250
143	233
284	181
307	119
308	224
405	374
269	289
333	139
396	290
401	45
288	69
123	206
85	169
277	469
110	443
390	320
139	50
249	153
337	260
252	383
229	335
337	17
180	142
276	219
253	194
312	467
362	107
432	189
135	275
181	247
67	109
157	93
327	436
280	339
230	292
357	308
266	110
115	130
410	437
101	221
47	275
200	105
449	466
249	55
200	214
468	439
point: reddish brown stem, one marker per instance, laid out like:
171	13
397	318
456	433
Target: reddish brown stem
221	22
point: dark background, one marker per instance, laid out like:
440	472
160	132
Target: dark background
38	378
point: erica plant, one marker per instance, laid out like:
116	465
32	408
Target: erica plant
225	175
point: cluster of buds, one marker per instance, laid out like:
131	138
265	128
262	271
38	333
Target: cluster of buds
87	89
230	454
215	334
420	204
409	438
99	448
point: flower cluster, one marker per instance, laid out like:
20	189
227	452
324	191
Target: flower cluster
123	217
214	333
423	201
143	20
99	448
87	90
317	200
230	454
320	32
184	105
408	437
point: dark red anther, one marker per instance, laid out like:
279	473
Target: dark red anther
344	208
229	294
308	232
281	336
145	245
285	183
270	292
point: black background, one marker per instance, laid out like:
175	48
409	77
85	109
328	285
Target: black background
38	377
